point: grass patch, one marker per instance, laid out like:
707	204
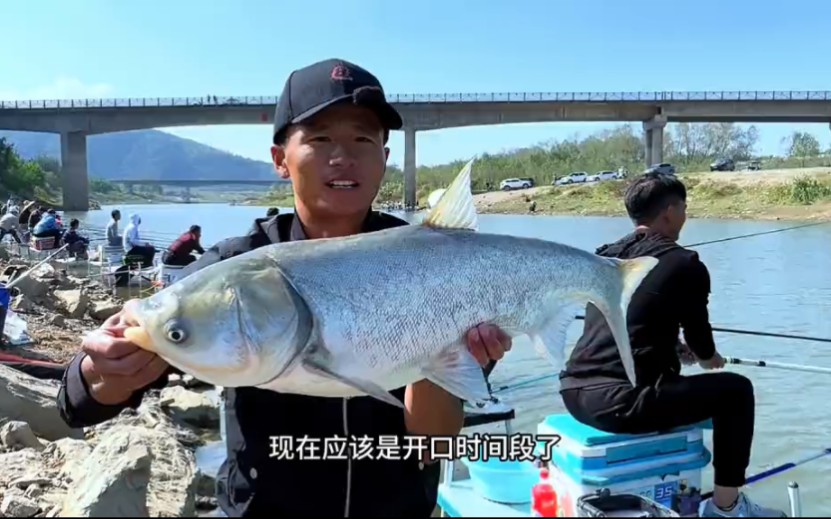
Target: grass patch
800	197
803	190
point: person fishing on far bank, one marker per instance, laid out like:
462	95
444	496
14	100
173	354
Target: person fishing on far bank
594	386
331	128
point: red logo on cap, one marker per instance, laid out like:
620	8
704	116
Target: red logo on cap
341	73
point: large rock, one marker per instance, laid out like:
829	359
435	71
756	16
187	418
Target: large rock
114	480
189	407
28	399
18	435
103	310
174	478
14	505
72	302
33	288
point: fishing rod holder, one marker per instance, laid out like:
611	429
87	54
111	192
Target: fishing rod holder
795	499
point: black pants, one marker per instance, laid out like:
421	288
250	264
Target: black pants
726	398
146	254
177	261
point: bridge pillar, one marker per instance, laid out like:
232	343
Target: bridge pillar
654	139
410	201
74	177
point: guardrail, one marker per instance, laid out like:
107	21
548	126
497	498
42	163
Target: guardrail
516	97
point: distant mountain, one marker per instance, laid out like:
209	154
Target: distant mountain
147	155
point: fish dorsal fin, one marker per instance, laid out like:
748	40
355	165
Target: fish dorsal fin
456	208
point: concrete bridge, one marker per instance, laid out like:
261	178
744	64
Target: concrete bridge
199	183
188	184
74	120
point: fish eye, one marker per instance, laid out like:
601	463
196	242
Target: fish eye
175	333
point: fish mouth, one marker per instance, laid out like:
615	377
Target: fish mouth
137	333
343	184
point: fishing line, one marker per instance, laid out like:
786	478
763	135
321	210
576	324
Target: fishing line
754	234
758	334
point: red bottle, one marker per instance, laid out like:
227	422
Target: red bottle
543	497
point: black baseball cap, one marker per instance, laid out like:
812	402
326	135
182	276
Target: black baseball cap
320	85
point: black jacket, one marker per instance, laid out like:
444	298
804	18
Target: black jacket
674	295
251	482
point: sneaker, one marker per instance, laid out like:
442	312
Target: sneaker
744	508
490	406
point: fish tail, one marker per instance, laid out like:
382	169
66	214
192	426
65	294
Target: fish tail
632	273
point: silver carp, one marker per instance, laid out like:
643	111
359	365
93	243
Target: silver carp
365	314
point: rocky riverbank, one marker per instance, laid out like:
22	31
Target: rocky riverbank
56	306
140	464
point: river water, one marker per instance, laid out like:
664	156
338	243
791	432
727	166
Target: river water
777	283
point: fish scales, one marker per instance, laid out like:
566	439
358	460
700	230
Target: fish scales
397	298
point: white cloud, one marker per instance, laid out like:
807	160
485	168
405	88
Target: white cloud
61	88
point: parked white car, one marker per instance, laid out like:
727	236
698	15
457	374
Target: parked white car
572	178
603	175
514	183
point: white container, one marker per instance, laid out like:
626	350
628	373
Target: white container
169	274
663	467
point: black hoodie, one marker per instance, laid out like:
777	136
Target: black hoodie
673	296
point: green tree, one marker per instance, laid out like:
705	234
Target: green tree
17	175
801	146
693	146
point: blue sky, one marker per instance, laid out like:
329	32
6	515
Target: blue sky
109	48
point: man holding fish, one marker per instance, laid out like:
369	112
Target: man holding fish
330	133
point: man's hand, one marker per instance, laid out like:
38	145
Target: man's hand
488	342
431	410
114	368
716	362
685	354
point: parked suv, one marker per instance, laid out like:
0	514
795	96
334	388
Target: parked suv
515	183
663	168
572	178
603	175
723	165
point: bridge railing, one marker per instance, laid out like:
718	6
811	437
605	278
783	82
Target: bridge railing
494	97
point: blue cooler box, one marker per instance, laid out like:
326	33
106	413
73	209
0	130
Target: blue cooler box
665	467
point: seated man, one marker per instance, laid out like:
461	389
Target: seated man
179	252
77	244
133	244
594	386
48	226
113	238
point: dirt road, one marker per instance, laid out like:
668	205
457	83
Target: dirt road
771	176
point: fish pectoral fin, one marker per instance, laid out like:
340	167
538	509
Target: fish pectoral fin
364	386
456	208
457	372
550	340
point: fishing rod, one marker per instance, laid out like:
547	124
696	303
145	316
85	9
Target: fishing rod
35	267
776	365
779	469
727	360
